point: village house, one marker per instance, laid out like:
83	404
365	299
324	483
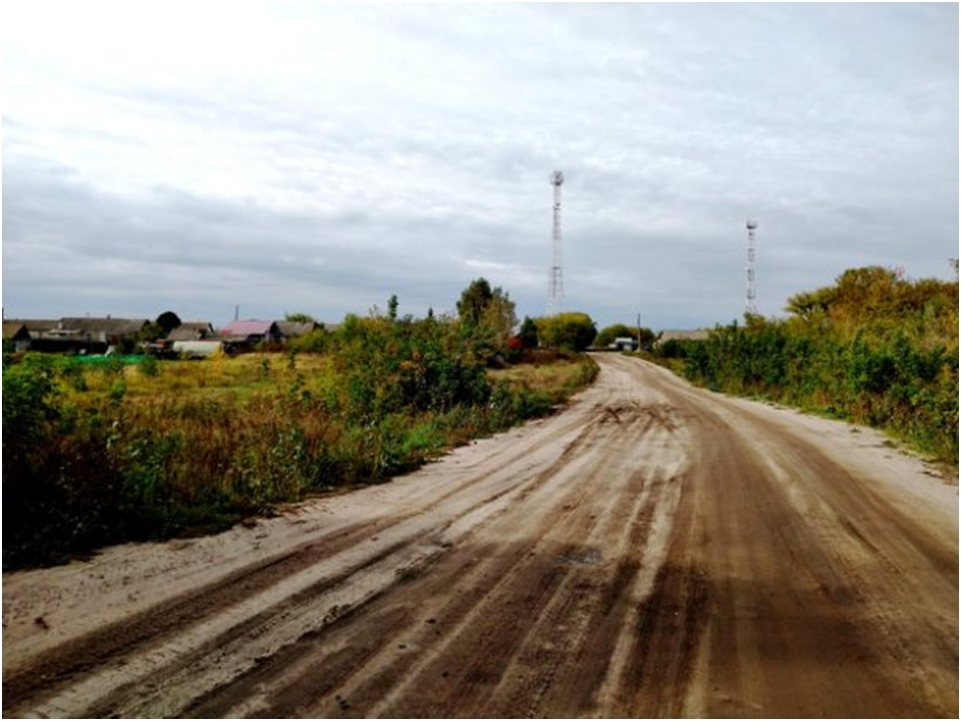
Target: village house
191	331
16	337
251	333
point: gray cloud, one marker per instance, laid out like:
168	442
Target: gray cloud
322	158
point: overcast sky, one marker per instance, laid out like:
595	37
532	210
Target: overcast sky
320	158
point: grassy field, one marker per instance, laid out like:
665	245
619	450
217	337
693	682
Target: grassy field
220	378
97	453
555	380
236	381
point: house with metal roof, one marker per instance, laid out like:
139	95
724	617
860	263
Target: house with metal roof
251	332
289	330
104	330
16	337
191	330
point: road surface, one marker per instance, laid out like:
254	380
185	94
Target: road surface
652	550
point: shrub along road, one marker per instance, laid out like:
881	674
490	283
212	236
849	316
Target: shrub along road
652	550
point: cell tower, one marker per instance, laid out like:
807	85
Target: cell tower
750	306
556	292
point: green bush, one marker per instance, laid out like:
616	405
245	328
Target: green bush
874	349
149	366
83	468
316	341
567	331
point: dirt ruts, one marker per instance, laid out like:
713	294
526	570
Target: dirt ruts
652	550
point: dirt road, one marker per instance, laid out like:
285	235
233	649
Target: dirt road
652	550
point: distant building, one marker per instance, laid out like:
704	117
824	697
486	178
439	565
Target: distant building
192	330
251	332
682	336
16	337
104	330
78	335
289	330
624	343
38	327
666	335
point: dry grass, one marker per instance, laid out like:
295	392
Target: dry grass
559	374
147	451
221	378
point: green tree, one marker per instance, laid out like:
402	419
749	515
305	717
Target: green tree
568	331
474	301
148	334
167	321
527	335
487	316
299	318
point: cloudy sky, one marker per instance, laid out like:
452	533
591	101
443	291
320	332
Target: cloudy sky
319	158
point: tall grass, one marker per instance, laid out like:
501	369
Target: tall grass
97	455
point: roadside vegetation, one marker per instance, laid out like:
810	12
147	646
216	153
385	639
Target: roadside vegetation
113	450
611	333
874	348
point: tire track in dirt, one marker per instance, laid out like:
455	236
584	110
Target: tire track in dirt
461	570
159	634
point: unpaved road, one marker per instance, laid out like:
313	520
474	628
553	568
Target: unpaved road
652	550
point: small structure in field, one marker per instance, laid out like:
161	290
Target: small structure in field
624	343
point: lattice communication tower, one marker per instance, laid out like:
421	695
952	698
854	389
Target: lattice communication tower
556	288
750	305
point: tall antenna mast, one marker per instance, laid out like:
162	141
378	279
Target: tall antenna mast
750	306
556	293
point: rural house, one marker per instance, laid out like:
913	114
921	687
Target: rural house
16	337
289	330
190	331
78	335
110	331
251	332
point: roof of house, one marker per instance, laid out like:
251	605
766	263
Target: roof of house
294	330
247	328
192	330
15	329
182	333
700	334
34	325
203	325
111	326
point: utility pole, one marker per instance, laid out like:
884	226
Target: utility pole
638	331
